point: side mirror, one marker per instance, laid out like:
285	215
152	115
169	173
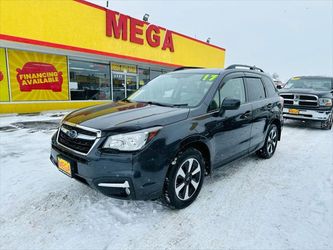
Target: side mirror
279	87
230	103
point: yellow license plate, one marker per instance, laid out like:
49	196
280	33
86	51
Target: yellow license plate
294	111
64	166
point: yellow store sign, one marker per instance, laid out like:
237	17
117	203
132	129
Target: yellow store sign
124	68
4	94
84	27
37	77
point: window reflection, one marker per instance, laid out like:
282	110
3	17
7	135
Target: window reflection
89	80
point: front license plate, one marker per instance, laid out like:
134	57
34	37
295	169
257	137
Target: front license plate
64	166
294	111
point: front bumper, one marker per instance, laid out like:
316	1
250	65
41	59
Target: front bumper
137	176
305	114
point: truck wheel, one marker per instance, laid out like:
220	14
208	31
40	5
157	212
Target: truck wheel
268	150
184	179
328	123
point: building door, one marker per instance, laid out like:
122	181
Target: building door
118	81
124	85
131	84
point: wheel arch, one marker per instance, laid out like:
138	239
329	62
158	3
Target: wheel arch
199	144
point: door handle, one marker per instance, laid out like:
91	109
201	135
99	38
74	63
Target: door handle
246	115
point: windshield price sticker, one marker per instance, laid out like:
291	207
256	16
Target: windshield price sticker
209	77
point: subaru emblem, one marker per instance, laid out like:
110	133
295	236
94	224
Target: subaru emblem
72	133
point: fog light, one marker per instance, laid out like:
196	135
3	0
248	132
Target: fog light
128	191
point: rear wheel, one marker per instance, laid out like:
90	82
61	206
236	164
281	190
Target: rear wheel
268	150
184	179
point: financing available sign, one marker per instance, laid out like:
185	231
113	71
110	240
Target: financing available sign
42	76
37	76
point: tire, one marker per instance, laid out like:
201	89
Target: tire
271	140
328	123
184	179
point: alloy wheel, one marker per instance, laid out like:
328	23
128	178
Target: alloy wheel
271	141
187	179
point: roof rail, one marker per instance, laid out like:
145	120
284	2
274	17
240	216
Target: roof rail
234	66
182	68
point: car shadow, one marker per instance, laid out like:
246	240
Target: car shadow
227	171
303	124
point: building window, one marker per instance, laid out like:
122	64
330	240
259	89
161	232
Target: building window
155	73
89	80
144	76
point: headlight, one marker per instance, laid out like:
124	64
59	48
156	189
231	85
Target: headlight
327	102
131	141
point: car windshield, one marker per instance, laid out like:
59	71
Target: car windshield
309	83
175	89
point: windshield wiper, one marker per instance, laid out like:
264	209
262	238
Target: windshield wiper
125	100
159	104
165	104
168	104
180	105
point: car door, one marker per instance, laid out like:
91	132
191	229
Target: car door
261	107
230	129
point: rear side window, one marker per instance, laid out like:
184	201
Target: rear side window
269	86
255	88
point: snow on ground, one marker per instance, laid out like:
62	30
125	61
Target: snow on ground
282	203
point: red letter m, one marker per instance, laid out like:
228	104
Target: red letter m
114	28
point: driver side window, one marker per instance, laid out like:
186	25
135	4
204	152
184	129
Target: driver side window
233	88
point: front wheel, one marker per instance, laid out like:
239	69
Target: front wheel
328	123
184	179
268	150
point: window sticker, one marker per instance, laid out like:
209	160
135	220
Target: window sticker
209	77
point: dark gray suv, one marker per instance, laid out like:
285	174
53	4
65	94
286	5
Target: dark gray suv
165	138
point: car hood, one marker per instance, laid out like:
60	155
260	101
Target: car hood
125	117
319	93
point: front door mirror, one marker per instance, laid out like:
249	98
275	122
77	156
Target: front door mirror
230	103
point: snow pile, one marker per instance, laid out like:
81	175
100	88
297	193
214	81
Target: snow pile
282	203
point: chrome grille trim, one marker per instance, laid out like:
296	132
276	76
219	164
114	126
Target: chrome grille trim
301	100
79	136
97	138
98	132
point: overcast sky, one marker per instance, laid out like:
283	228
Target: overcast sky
287	37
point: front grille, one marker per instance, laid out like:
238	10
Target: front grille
287	96
309	104
308	97
83	141
288	102
301	100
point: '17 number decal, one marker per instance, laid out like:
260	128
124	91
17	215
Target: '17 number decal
209	77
